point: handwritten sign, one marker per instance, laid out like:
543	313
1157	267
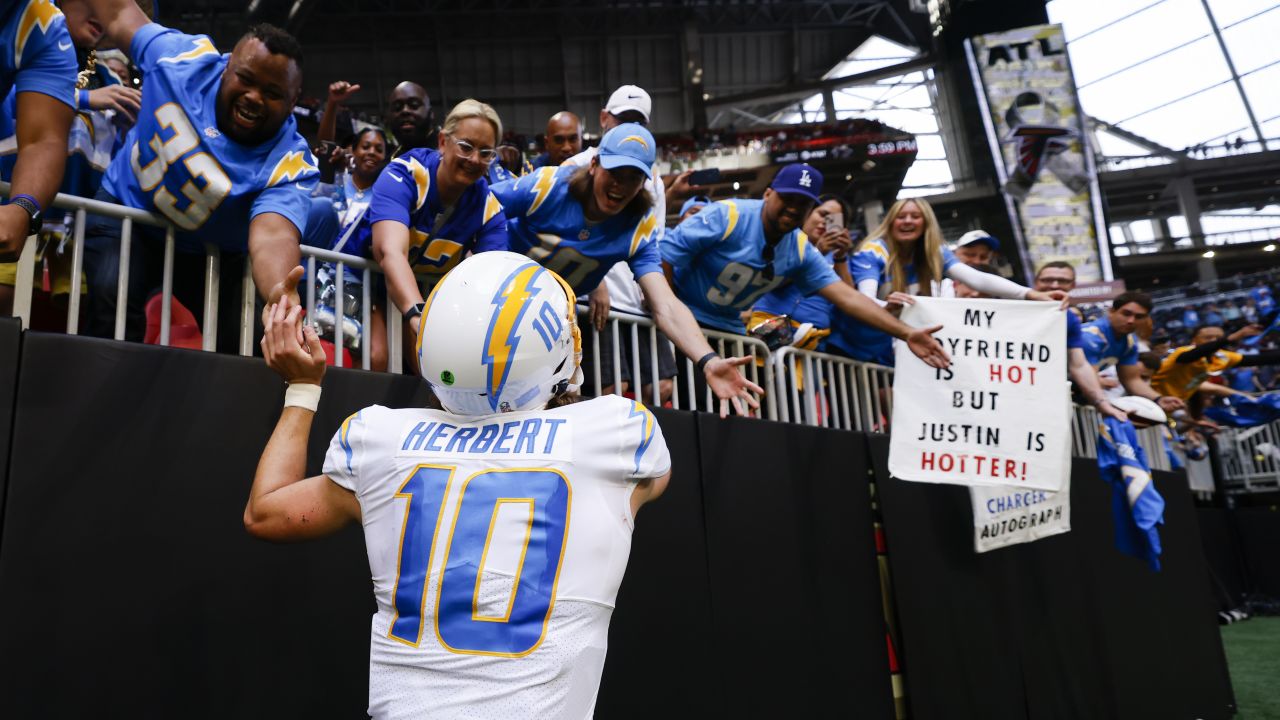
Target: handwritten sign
1000	415
1007	515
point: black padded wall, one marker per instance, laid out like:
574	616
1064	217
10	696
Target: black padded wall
1065	627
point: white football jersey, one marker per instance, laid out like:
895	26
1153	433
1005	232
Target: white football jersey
497	546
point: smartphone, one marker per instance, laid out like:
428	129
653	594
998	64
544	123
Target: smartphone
708	176
835	221
325	148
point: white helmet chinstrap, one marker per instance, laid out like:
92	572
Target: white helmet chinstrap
498	335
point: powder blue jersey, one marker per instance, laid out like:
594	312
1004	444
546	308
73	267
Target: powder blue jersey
1102	347
788	300
545	222
1075	331
176	163
36	54
407	192
717	257
871	262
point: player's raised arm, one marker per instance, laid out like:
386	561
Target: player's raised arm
120	19
283	504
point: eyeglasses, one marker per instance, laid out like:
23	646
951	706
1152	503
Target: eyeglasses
767	273
468	151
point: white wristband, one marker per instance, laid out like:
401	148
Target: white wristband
303	395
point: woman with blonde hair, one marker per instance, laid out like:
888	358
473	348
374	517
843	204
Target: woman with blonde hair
431	208
905	257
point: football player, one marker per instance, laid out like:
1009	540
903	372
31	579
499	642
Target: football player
579	222
215	151
38	62
499	527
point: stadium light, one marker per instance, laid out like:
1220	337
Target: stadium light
1269	247
1208	254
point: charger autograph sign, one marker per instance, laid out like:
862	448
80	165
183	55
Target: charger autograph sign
1000	415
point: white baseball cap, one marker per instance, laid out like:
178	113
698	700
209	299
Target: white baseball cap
979	236
630	97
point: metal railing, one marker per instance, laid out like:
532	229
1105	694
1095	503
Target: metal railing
831	391
686	391
1250	458
801	386
81	208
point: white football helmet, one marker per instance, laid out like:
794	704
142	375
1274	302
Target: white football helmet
499	334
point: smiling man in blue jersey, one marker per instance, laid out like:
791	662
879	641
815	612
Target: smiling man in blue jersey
723	259
38	62
580	221
216	152
1110	340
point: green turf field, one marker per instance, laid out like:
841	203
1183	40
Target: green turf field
1253	654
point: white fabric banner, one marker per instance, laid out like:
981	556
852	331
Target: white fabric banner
1000	415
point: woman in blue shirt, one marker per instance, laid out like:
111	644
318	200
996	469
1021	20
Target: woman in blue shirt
431	208
905	256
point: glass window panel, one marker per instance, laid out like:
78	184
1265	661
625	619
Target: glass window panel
929	147
1263	89
1178	226
1138	38
1195	66
1082	16
1253	44
1227	12
1194	120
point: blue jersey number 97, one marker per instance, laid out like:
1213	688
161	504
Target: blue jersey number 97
459	625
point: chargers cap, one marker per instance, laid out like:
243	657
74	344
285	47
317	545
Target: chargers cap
628	145
693	202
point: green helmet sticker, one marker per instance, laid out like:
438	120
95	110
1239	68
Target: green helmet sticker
446	377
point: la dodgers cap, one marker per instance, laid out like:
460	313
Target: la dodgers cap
798	179
628	145
630	97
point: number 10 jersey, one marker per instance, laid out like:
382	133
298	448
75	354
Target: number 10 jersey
496	546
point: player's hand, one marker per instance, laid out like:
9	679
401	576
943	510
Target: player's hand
14	222
1106	408
297	361
124	100
341	90
731	386
1060	296
286	288
1170	403
926	347
598	306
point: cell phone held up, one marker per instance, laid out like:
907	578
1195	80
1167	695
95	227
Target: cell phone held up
706	176
835	221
